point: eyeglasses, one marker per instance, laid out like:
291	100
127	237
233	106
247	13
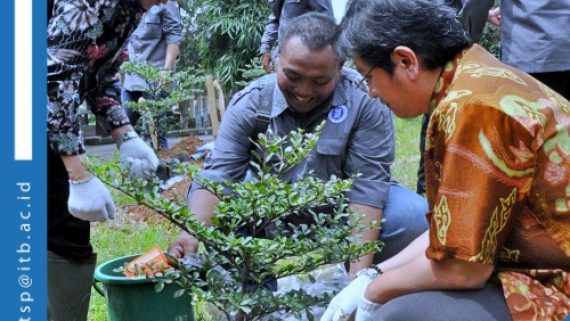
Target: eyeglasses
365	78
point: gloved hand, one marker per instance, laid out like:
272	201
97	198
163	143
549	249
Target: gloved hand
141	158
367	310
344	304
90	201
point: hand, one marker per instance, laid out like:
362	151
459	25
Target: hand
141	158
266	62
90	201
344	304
367	310
184	246
494	16
165	81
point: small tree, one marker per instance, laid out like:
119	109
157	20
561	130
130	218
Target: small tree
165	90
251	240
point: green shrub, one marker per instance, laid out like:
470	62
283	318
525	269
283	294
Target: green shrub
251	241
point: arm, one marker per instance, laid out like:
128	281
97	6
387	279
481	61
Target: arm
472	217
474	15
172	51
267	40
371	214
227	162
172	28
270	32
201	203
494	16
411	271
370	153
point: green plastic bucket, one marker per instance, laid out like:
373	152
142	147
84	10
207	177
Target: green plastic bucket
135	299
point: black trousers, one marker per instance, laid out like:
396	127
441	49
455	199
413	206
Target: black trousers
67	235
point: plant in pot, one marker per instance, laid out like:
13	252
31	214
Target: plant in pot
252	242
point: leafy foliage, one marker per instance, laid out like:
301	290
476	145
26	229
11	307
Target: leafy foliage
252	240
491	41
225	35
165	89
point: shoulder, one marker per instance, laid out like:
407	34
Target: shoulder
252	92
357	96
171	7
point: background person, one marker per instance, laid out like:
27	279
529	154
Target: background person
533	41
282	11
156	42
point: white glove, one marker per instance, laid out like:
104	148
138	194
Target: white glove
141	158
89	200
367	310
344	304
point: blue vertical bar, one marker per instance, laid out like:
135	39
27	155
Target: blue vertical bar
23	183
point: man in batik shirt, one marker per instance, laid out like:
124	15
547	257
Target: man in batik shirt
497	169
84	45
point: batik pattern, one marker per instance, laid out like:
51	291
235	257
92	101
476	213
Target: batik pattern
85	38
498	163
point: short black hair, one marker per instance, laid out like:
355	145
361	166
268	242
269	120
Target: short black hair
316	31
371	29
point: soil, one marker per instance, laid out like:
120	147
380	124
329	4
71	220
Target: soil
186	146
178	191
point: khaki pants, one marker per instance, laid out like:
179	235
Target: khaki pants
69	287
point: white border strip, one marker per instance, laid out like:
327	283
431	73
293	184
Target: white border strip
23	79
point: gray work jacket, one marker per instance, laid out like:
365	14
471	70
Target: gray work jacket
291	9
159	27
535	35
358	137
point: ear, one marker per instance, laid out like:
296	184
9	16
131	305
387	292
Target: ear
406	61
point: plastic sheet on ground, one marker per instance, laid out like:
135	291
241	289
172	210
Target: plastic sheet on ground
329	279
204	150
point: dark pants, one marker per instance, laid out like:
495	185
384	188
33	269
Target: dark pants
558	81
487	304
134	116
69	287
71	260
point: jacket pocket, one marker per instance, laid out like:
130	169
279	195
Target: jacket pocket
329	158
152	27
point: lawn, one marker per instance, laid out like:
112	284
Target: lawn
129	235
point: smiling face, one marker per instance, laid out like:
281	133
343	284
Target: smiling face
306	78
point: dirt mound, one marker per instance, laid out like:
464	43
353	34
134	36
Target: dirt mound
186	146
139	213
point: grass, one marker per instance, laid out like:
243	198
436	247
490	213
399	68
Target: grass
405	166
121	237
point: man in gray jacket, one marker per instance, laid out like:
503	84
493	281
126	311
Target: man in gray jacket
155	41
309	87
282	11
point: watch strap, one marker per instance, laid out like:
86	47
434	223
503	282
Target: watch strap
126	136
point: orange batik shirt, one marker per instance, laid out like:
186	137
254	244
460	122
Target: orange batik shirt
498	180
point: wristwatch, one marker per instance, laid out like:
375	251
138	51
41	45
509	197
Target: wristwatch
126	136
371	272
